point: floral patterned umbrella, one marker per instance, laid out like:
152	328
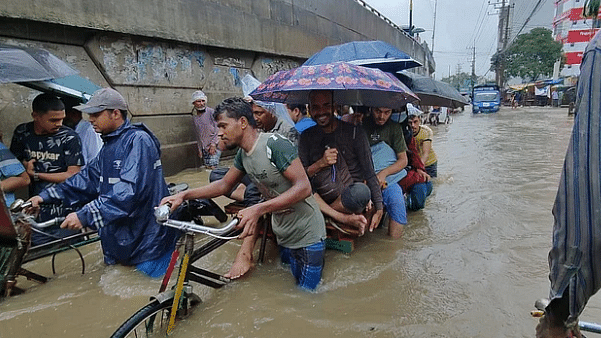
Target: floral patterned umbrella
351	84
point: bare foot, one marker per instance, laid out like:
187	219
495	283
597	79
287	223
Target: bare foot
242	264
357	221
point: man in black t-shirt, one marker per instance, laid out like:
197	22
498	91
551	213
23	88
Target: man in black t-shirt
50	153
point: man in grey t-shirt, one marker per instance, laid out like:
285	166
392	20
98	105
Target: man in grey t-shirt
271	161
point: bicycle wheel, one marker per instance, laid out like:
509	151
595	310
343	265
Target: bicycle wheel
149	321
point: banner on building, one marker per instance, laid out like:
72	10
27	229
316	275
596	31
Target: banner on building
574	58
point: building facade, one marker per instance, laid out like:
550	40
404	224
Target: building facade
157	53
574	31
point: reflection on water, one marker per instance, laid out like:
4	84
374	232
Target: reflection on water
471	264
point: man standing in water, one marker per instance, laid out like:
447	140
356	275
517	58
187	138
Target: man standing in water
423	138
50	153
205	129
272	163
120	188
389	154
574	260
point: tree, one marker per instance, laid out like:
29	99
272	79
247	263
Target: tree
462	81
530	56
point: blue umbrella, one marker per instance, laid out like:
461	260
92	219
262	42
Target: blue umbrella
373	54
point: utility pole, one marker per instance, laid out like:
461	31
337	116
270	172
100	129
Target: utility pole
506	39
434	26
473	68
504	12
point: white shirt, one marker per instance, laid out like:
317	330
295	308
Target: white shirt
90	140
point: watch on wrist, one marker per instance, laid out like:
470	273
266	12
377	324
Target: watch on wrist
36	176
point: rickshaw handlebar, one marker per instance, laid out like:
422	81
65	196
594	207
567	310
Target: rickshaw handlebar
49	223
162	216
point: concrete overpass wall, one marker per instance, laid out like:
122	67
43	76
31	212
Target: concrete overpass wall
157	53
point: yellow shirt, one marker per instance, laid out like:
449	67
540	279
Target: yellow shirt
425	134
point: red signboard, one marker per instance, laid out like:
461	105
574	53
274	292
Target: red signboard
576	14
581	35
574	58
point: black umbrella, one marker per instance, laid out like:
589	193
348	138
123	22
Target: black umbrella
21	64
73	86
432	92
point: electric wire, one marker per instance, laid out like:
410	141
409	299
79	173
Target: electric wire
534	10
479	22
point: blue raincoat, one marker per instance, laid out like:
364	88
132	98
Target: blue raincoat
121	187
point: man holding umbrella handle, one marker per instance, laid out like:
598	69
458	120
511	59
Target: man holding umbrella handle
351	144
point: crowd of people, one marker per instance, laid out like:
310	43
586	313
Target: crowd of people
106	174
355	172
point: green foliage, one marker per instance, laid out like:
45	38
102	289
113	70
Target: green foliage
591	8
462	80
530	56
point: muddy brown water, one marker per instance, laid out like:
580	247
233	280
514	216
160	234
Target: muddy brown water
471	264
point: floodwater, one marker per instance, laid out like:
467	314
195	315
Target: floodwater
471	264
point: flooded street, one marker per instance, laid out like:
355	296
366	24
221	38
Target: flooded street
471	264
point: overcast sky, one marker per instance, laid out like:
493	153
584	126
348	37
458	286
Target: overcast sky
461	25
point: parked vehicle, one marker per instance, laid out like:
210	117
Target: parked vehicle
487	99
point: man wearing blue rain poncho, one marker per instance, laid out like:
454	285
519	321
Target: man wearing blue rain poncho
120	188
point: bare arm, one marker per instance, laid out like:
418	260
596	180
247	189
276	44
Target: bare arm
394	168
426	147
16	182
300	189
357	221
329	158
52	177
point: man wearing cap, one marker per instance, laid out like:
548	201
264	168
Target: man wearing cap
120	188
50	153
206	130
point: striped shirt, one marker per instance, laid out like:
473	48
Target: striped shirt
575	258
9	167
